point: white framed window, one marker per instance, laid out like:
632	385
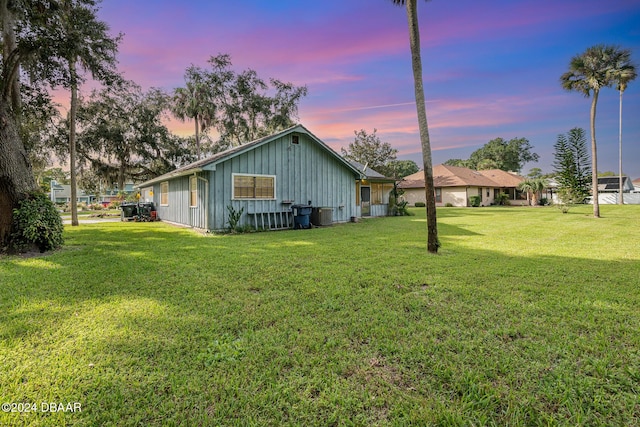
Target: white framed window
193	192
164	193
254	186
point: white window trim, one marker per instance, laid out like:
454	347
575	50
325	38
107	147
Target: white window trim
165	204
192	179
233	190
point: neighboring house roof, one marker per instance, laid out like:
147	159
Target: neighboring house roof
504	179
455	176
210	162
370	173
612	183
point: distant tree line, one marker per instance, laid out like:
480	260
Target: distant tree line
499	154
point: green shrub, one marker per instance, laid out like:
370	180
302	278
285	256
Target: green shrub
502	199
543	201
420	205
474	201
448	205
234	217
36	222
567	198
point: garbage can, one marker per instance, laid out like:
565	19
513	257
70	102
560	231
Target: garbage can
301	215
129	211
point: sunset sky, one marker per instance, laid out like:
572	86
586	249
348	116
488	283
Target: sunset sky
491	68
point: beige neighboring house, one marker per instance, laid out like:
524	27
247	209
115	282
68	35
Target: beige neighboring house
455	185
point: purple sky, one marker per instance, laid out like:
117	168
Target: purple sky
491	68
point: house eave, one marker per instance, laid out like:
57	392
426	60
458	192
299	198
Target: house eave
168	176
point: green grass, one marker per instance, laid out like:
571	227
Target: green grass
526	317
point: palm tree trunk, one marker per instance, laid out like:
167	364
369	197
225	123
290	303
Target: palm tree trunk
72	141
416	61
197	136
594	157
621	197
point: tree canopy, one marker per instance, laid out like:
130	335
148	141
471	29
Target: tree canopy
241	107
498	153
123	136
398	169
370	150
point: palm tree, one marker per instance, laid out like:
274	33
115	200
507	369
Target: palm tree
194	102
589	72
85	43
416	61
532	187
623	72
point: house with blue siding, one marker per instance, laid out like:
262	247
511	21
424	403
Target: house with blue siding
372	191
264	179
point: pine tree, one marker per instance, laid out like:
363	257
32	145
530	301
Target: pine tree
572	162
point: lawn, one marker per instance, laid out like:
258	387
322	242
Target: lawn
526	317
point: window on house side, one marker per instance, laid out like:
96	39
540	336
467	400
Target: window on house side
164	193
438	195
254	186
193	192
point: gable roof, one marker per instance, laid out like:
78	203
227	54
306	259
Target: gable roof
455	176
369	173
210	162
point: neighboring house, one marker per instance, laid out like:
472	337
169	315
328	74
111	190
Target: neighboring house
608	191
372	192
636	185
551	192
455	185
264	179
113	194
61	193
611	184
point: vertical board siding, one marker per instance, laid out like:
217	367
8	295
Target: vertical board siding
178	209
304	172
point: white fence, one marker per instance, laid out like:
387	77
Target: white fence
612	198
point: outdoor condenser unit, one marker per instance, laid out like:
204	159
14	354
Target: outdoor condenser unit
322	216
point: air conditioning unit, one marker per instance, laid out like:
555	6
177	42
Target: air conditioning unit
322	216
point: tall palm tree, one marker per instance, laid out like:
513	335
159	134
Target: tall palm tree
85	43
416	61
623	72
588	73
194	102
